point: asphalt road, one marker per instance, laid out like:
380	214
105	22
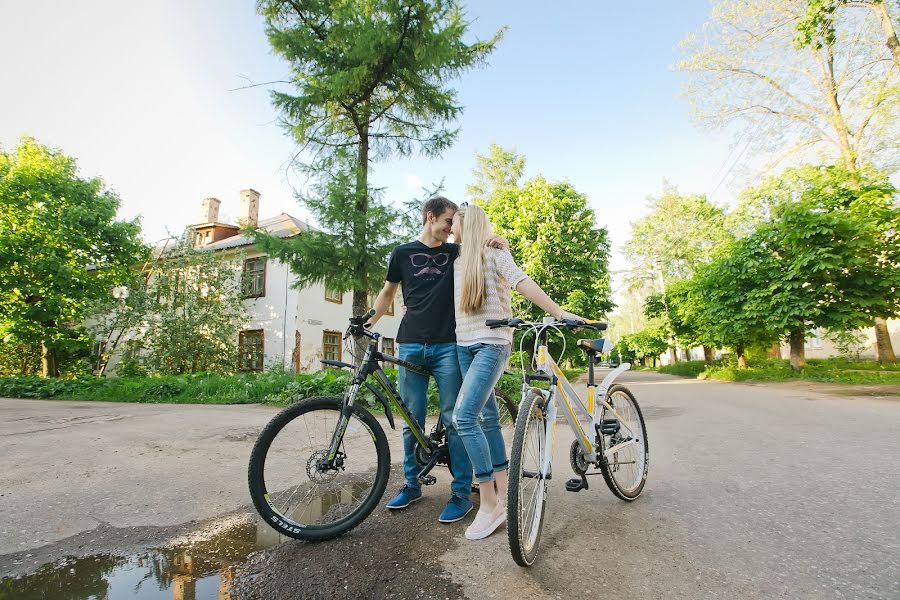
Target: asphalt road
754	491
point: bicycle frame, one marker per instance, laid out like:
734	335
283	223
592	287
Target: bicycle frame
385	393
571	402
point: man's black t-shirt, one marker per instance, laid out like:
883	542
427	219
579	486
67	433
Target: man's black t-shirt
426	275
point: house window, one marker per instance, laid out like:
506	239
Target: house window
387	346
254	279
331	345
334	296
250	350
813	340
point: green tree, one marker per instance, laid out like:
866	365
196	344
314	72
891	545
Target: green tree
555	240
732	293
496	169
192	309
647	343
682	309
677	235
828	257
838	95
836	91
816	28
666	246
371	80
61	249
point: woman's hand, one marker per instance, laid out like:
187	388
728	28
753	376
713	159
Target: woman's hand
572	316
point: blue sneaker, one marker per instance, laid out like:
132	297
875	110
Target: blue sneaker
406	496
456	509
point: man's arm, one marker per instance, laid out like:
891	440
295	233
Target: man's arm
497	241
383	301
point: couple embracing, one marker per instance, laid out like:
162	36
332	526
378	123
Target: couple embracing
450	290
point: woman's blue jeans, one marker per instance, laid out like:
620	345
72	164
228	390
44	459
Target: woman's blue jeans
481	366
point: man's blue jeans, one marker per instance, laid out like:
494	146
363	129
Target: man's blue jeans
482	365
443	363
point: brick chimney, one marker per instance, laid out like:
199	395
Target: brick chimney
209	210
249	209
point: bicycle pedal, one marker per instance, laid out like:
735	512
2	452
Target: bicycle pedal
428	480
608	426
576	484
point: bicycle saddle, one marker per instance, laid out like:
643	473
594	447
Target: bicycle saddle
591	345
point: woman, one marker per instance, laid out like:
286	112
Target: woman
483	278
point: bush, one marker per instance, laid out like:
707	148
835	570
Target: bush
34	387
691	368
160	391
327	382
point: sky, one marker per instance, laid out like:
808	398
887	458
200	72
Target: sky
145	95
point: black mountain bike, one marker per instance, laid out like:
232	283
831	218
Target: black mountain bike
320	466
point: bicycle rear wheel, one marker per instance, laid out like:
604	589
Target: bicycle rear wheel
527	491
506	407
625	471
297	492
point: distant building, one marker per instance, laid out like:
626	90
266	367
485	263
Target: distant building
287	326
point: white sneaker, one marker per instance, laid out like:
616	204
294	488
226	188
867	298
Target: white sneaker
486	523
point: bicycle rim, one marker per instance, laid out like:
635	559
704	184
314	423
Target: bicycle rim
291	489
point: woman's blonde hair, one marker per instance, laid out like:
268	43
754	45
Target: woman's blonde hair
476	229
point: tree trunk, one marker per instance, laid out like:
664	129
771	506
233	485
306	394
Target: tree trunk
708	355
848	152
742	360
884	351
49	361
797	338
887	26
673	356
361	291
775	351
685	354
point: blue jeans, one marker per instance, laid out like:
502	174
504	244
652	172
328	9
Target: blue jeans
482	365
441	360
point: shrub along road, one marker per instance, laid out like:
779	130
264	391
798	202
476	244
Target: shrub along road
754	492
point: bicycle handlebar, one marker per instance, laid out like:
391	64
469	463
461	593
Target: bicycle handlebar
357	326
570	323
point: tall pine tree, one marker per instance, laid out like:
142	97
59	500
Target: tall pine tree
370	81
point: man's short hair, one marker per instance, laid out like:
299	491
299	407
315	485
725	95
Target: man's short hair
437	206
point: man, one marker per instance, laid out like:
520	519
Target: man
427	337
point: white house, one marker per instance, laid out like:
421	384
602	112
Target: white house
287	326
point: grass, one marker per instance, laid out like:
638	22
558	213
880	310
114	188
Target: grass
277	388
830	370
175	389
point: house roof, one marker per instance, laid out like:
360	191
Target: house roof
282	226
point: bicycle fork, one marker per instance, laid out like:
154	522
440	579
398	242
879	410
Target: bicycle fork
341	429
549	440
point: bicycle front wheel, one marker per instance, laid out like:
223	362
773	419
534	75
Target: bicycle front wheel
297	490
527	491
625	469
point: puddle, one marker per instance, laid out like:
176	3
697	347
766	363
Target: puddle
200	569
